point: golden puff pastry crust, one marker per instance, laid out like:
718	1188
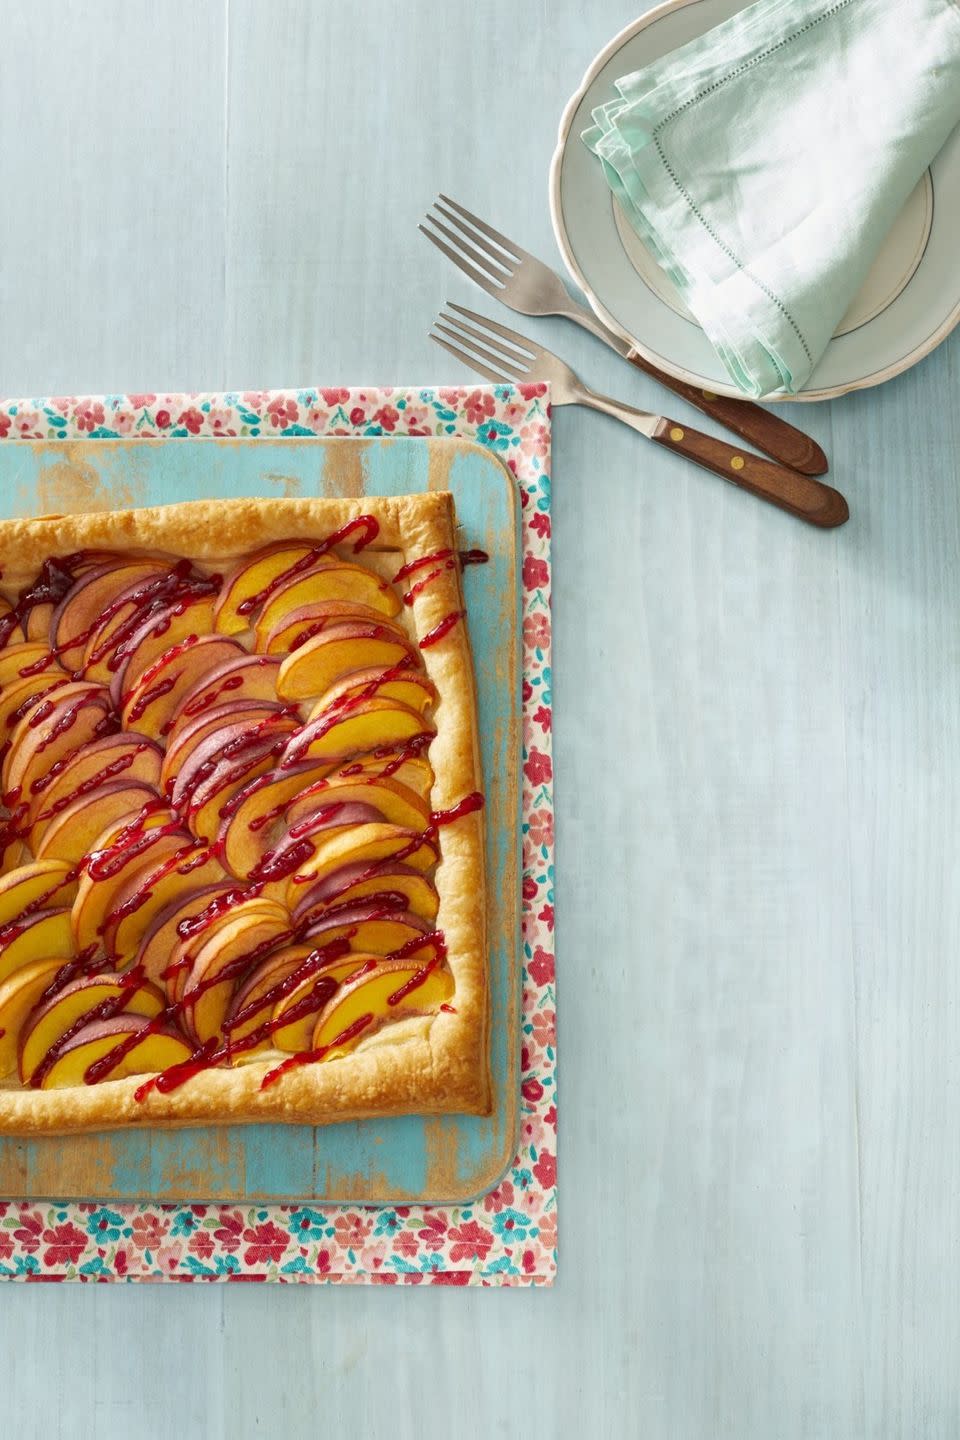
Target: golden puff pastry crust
425	1064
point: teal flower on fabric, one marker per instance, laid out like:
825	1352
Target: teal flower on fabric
511	1225
105	1225
184	1223
305	1225
494	434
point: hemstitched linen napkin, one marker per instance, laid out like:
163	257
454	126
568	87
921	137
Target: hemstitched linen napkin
763	163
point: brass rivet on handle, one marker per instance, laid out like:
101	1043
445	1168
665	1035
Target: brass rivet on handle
708	395
737	463
676	433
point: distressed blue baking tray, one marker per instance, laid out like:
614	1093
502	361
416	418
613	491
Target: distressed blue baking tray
400	1160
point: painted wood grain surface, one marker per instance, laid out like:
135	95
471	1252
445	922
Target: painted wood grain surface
757	734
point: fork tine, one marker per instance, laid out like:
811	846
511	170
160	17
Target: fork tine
462	264
520	341
468	360
486	229
487	263
490	341
513	368
490	253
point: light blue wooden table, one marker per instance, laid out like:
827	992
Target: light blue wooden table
758	732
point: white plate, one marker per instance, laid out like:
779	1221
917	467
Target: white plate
909	302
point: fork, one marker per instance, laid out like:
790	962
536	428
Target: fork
502	356
525	284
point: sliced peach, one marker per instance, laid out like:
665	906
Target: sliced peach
102	882
254	813
395	802
157	636
339	581
295	1015
368	927
370	725
413	689
248	586
194	868
19	993
213	796
261	982
309	620
220	963
83	606
243	678
186	949
160	943
182	740
20	697
128	757
361	844
14	659
105	651
411	770
315	665
14	634
226	749
389	990
70	835
93	996
157	695
139	1049
38	621
42	935
39	884
354	883
67	720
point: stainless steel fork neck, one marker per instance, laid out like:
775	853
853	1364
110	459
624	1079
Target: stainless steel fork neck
641	420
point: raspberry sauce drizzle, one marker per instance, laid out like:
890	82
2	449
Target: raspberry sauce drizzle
366	523
442	629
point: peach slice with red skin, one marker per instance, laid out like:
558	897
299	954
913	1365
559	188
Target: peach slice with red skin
388	991
14	659
81	609
325	658
87	996
395	801
239	603
361	844
227	748
244	938
129	756
159	633
255	815
150	891
135	605
264	978
411	770
42	935
66	721
114	869
373	724
70	835
213	796
161	940
233	712
306	621
337	581
249	909
156	698
368	927
242	679
153	1051
22	696
19	993
413	689
354	883
39	884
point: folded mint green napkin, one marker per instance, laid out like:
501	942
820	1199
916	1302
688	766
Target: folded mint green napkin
763	163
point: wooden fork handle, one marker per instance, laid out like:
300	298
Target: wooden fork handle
801	495
759	427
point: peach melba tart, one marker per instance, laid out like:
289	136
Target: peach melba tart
241	855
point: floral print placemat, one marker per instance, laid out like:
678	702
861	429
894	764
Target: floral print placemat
509	1237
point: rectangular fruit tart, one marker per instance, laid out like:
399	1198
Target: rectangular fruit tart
241	858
